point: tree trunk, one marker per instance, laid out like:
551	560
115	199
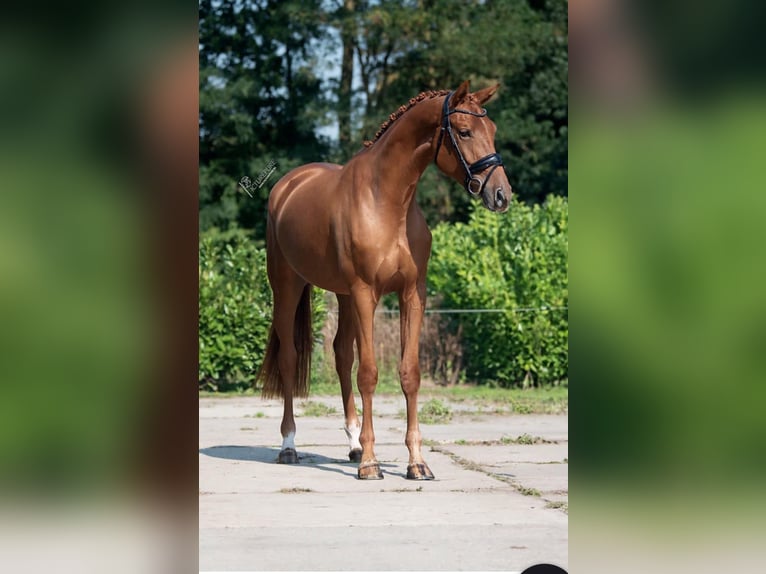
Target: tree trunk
346	74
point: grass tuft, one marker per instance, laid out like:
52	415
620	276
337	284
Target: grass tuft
524	439
434	411
527	491
560	505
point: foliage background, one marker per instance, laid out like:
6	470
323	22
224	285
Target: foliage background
235	304
295	82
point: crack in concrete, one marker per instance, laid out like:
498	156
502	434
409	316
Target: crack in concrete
516	485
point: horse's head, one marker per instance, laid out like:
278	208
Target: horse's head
465	147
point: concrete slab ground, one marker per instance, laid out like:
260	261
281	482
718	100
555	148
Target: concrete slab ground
499	501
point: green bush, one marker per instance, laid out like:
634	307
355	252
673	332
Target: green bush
516	262
235	305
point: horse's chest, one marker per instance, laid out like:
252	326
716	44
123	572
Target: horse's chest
387	260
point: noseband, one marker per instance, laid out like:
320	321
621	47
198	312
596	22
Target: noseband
473	184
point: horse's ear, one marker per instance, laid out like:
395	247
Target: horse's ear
460	94
483	96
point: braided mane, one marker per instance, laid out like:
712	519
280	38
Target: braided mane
398	113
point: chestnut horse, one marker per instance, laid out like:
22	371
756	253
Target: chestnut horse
356	230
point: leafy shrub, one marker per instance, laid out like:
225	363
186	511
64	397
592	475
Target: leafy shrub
235	306
516	262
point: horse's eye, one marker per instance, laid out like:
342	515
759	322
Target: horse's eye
464	133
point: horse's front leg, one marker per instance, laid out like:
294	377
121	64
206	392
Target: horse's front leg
364	302
412	304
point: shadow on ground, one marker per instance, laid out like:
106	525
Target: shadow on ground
268	455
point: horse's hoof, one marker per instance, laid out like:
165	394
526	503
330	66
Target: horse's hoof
369	471
288	456
355	455
419	471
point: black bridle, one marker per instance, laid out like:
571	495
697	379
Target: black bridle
473	184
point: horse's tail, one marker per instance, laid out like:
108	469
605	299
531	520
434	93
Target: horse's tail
269	374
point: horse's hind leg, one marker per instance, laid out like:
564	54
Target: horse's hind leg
344	361
287	287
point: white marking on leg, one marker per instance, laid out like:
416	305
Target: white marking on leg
353	433
288	441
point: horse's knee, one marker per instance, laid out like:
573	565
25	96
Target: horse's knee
409	375
367	377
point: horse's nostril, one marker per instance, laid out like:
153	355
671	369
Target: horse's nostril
499	197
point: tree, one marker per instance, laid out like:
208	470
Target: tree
260	100
348	38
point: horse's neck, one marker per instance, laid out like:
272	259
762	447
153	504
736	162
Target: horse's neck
405	151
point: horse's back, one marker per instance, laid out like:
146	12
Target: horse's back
305	177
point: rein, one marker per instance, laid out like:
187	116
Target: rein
473	184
